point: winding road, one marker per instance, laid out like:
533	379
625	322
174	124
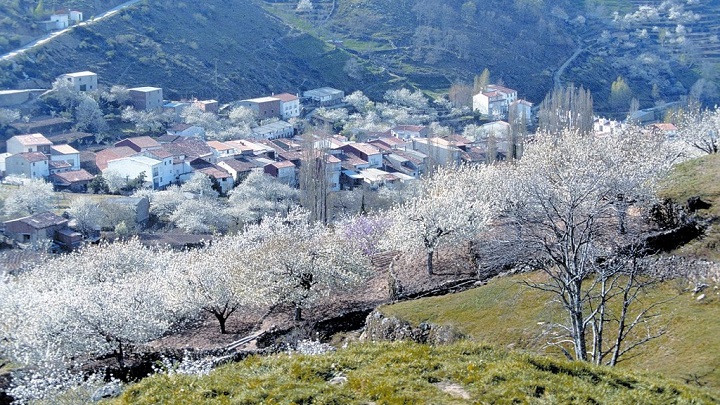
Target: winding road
54	34
558	74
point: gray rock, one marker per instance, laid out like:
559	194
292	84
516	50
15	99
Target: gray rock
110	390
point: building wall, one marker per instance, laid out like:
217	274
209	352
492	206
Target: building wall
83	83
33	170
147	100
73	159
160	174
290	109
14	146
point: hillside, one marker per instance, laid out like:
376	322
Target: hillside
391	373
247	48
506	313
211	49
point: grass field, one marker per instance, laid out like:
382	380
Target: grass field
698	177
409	373
506	313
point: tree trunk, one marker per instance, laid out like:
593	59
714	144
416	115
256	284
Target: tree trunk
577	321
429	263
221	319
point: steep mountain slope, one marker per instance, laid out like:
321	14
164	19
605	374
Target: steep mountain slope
229	50
224	50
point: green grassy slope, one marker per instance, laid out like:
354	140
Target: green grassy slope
698	177
509	314
397	373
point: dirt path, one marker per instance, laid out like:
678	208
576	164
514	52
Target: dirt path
558	74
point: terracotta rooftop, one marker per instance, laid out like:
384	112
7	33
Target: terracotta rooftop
238	165
161	153
59	164
364	148
286	97
33	156
105	155
189	147
215	172
217	145
283	164
141	142
73	176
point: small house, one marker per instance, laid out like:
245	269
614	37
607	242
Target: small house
35	228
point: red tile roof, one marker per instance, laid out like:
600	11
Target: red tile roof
33	156
105	155
73	176
286	97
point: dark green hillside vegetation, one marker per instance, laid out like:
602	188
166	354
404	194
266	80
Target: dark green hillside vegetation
231	50
209	49
19	19
396	373
431	44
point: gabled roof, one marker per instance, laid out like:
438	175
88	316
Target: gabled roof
73	176
363	147
238	165
286	97
32	156
189	147
215	171
219	146
410	128
105	155
500	89
32	140
42	220
59	164
142	142
158	153
282	165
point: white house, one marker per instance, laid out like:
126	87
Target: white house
131	167
494	101
277	129
33	165
522	111
221	149
81	81
187	130
67	154
28	143
283	171
146	98
61	20
365	151
439	151
289	105
325	95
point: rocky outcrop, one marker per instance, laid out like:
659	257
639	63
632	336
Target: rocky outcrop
378	327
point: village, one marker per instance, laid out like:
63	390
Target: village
287	130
